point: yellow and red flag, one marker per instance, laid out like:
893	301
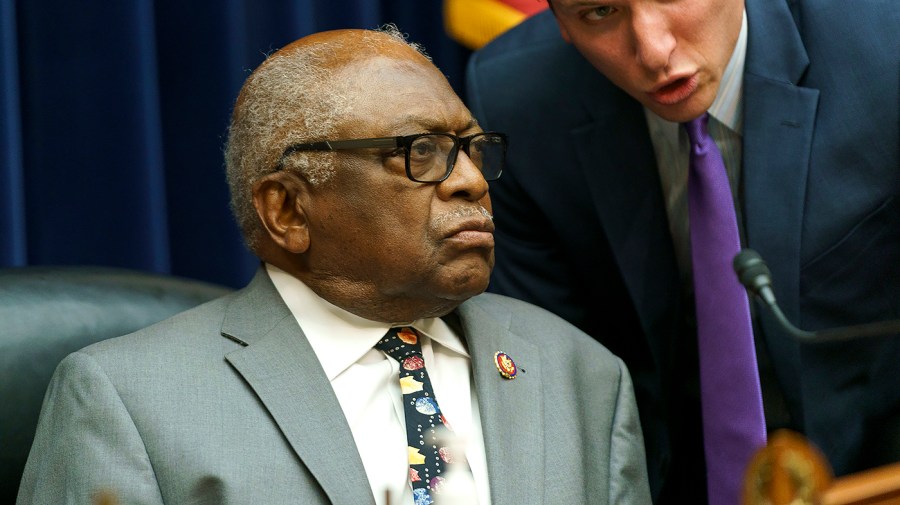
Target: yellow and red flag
474	23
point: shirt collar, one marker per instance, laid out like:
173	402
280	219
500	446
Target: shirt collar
340	338
726	108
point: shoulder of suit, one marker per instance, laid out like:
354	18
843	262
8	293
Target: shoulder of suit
541	326
531	64
538	34
195	328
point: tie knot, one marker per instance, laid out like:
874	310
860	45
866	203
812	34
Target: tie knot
400	343
697	129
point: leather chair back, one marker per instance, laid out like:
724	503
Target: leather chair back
47	313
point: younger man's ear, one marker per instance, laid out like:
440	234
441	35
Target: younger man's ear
564	33
562	28
275	197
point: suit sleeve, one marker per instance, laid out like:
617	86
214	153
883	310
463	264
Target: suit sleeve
627	465
86	443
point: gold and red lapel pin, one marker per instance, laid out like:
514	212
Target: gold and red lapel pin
505	365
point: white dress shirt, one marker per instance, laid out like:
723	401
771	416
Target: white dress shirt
672	148
366	383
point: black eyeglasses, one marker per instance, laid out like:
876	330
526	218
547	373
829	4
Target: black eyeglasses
430	157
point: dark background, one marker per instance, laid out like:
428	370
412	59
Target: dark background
113	117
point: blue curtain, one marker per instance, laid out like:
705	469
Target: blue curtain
113	117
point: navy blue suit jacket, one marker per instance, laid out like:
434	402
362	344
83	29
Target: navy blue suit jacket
582	227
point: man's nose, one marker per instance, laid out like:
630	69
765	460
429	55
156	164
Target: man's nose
653	39
465	180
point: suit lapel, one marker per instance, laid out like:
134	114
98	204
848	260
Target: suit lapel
511	409
282	369
779	119
616	157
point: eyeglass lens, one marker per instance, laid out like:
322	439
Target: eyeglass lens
431	157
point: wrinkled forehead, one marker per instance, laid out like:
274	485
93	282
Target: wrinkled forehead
400	96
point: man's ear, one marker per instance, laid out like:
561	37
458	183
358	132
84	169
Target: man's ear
564	33
562	28
277	198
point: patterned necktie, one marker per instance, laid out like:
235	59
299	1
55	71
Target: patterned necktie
428	457
733	421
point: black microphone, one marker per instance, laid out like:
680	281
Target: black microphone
754	274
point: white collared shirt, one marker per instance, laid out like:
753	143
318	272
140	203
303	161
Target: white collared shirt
366	383
672	148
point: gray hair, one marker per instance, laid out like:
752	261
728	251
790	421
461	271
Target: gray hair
293	97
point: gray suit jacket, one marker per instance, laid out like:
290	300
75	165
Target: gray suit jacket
227	403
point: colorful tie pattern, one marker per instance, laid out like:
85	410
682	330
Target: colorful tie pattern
733	423
428	457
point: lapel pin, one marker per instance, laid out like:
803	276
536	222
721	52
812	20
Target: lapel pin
505	365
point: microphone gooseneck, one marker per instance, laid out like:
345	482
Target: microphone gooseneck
754	274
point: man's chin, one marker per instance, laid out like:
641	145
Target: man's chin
452	296
466	289
467	284
678	113
690	108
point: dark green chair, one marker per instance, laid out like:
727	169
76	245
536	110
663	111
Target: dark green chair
47	313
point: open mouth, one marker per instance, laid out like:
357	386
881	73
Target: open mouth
676	91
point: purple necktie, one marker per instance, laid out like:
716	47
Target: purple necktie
733	423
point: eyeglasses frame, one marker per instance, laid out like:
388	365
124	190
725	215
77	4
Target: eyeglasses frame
404	141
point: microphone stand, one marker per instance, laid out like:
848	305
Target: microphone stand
754	274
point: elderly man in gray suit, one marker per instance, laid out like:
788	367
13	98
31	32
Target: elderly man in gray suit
360	180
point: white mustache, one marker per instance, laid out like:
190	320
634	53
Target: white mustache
465	212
